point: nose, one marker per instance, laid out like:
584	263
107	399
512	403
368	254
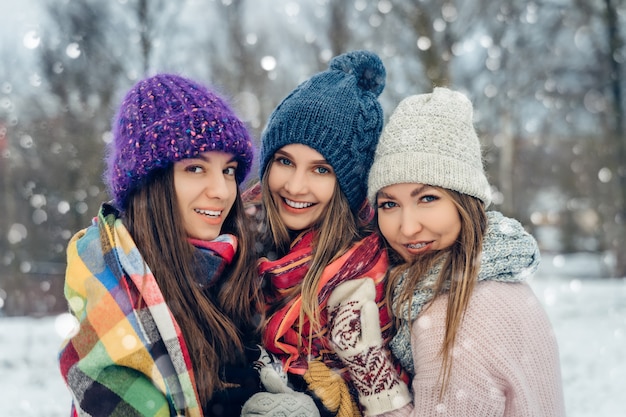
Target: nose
297	183
410	224
218	188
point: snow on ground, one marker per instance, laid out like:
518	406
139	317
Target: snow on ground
588	315
30	383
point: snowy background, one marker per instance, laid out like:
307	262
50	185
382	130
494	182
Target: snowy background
495	59
588	315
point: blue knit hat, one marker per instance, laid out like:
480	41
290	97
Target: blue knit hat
337	113
164	119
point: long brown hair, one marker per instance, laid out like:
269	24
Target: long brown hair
211	325
336	230
457	278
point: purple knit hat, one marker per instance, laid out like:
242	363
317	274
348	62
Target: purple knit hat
164	119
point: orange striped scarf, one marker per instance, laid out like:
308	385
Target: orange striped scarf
282	334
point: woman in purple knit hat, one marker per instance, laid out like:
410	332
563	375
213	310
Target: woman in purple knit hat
163	284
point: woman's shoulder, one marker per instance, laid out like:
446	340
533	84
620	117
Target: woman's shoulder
495	299
508	314
503	301
503	296
85	247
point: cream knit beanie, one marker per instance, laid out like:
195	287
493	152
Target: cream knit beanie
430	139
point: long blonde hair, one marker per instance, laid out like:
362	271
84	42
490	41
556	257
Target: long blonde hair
336	230
457	279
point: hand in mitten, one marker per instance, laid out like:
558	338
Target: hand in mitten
356	337
279	400
268	404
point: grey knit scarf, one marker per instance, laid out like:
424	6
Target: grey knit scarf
509	254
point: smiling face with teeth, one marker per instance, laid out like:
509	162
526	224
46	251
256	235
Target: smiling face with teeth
301	184
206	189
416	218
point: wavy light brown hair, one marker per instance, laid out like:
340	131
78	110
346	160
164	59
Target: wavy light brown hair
336	230
458	276
213	322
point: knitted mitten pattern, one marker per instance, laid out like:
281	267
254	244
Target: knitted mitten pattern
356	337
269	404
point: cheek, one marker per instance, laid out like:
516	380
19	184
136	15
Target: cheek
274	179
326	188
385	226
233	190
181	194
452	227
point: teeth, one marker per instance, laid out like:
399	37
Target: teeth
297	205
211	213
416	246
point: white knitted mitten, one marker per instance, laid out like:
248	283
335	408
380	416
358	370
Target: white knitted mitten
279	400
356	337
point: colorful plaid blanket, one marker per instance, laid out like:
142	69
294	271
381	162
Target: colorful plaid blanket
127	357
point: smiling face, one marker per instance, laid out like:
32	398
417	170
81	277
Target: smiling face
206	189
301	184
416	218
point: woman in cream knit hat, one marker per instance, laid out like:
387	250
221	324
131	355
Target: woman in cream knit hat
472	333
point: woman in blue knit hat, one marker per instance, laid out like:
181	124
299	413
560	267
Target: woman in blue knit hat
163	284
470	330
316	152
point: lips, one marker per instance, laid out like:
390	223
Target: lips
418	247
297	204
209	213
210	217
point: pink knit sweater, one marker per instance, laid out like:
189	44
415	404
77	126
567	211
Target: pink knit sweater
506	360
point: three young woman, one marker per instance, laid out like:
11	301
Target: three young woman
163	284
470	331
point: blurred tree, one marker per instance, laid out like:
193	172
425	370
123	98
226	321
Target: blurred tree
522	102
616	55
592	103
546	78
83	74
57	157
234	63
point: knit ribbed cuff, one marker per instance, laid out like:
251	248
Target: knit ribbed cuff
387	400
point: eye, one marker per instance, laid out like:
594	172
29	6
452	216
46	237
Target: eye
283	161
230	171
322	170
385	205
194	169
429	198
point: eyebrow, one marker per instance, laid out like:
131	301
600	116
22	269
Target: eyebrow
420	188
204	158
290	156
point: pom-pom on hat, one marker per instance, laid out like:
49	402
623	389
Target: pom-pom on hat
430	139
164	119
337	113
